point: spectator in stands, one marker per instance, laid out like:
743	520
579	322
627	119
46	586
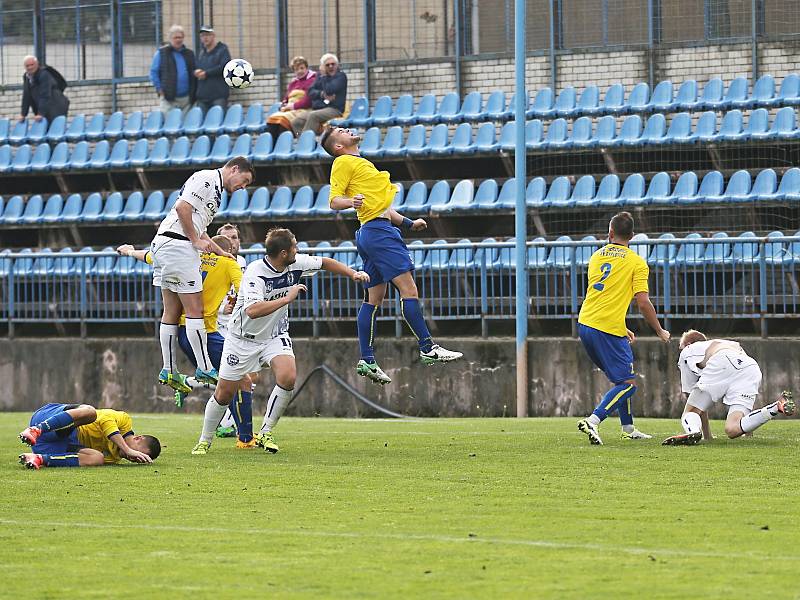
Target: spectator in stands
296	103
42	91
211	87
328	96
172	72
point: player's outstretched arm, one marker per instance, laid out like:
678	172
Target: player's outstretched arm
129	250
334	266
343	202
399	220
267	307
215	247
649	313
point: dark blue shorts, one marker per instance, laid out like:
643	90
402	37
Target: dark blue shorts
383	251
215	344
55	442
611	353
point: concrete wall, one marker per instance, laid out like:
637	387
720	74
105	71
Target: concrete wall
121	373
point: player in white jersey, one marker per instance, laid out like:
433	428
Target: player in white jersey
258	332
721	371
175	251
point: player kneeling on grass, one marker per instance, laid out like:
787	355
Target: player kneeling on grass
720	370
258	332
79	435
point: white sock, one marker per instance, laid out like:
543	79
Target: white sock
691	422
593	419
214	412
756	419
196	332
278	401
227	420
168	336
628	428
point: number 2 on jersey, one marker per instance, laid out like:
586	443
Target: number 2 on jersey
605	269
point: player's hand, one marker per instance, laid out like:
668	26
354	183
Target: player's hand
227	254
631	336
228	308
361	276
419	225
664	335
125	249
295	290
137	457
203	245
358	200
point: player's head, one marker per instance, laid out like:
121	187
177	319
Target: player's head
231	231
237	174
223	242
620	229
281	246
690	337
338	140
145	443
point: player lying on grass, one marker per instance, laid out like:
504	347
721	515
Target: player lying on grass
616	275
220	274
176	252
258	333
720	370
356	183
79	435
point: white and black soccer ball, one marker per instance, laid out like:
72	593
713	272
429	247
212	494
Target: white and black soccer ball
238	73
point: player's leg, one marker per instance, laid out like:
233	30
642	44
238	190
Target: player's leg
56	419
741	420
367	366
693	419
282	362
85	457
241	410
198	338
168	338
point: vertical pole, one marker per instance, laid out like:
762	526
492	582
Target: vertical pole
367	23
650	42
240	23
762	286
520	103
553	67
279	20
457	50
78	73
114	14
604	24
39	44
754	35
325	25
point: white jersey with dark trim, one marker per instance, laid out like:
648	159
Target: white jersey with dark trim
262	281
222	318
203	190
691	356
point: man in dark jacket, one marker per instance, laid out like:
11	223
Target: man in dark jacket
172	72
211	87
41	93
328	96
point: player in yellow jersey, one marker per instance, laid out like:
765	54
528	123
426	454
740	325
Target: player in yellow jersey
356	183
616	275
80	435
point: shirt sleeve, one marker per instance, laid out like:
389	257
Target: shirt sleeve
341	172
688	379
124	423
155	67
196	191
235	272
107	423
640	276
307	262
252	291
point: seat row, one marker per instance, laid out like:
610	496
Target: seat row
418	200
571	102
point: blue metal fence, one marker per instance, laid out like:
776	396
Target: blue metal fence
730	278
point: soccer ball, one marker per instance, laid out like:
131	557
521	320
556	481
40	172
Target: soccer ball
238	73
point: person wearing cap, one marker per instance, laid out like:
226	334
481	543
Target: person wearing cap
172	72
211	60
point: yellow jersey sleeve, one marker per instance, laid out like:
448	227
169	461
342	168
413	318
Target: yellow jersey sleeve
341	173
235	274
641	275
352	175
96	435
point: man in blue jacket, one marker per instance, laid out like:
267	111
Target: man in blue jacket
172	72
328	96
211	87
41	92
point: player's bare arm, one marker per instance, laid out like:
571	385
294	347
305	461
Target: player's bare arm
127	452
399	220
334	266
184	211
649	313
129	250
718	346
267	307
343	202
215	248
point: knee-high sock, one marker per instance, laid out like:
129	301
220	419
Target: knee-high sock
61	460
610	402
691	422
412	313
242	413
757	418
366	330
168	336
214	412
278	401
625	414
196	332
227	419
62	420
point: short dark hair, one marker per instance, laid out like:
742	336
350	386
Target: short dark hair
222	242
622	225
153	446
226	227
278	240
324	141
243	163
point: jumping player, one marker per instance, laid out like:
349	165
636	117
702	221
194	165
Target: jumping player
356	183
720	370
176	252
616	275
80	435
258	334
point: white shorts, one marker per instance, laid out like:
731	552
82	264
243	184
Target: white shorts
731	378
176	265
240	357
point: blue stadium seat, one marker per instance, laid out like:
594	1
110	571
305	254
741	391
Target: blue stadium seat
19	133
560	257
416	200
416	143
426	110
55	133
281	204
417	255
272	109
589	102
462	143
118	159
369	146
537	255
321	206
112	208
347	257
775	252
758	125
507	136
6	156
789	94
33	210
154	207
242	146
557	135
789	188
200	149
447	112
138	156
712	95
706	128
461	258
630	132
37	131
543	104
22	159
192	122
655	131
59	158
686	98
233	123
221	150
104	265
381	112
173	122
259	203
306	147
614	100
763	92
784	127
535	193
359	114
5	126
640	246
507	198
744	251
738	189
284	147
472	108
633	191
13	210
73	208
582	133
662	100
607	191
658	192
559	192
173	198
606	132
95	127
680	129
262	150
638	99
437	143
154	124
664	253
42	264
717	253
485	256
437	259
159	153
303	202
511	108
462	198
133	125
765	186
732	127
711	189
439	195
690	254
584	253
254	119
685	190
65	266
179	153
91	208
496	105
52	209
114	125
41	158
100	155
485	139
397	201
736	96
566	103
392	146
237	206
134	207
582	192
403	113
486	196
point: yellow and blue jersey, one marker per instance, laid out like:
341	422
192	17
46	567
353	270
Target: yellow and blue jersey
616	274
352	175
95	435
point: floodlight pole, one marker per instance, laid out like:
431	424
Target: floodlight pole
521	254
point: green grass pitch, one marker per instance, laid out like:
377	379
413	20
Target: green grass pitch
461	508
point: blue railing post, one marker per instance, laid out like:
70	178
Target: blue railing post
11	286
762	285
83	306
573	286
520	216
484	297
315	306
667	292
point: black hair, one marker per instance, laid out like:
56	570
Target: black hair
324	141
243	163
278	240
153	446
622	225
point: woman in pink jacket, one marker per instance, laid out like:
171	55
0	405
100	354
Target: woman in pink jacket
296	102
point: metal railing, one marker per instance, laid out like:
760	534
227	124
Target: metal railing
730	278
